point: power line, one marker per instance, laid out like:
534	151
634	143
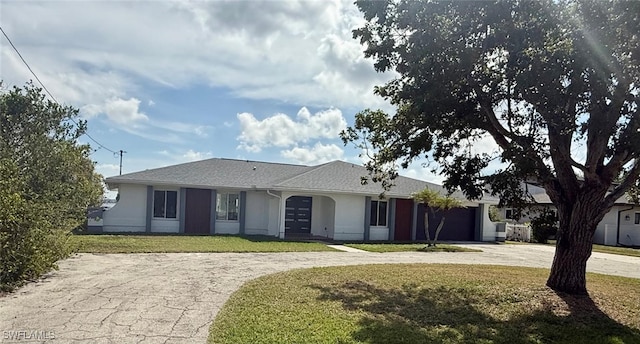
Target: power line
49	93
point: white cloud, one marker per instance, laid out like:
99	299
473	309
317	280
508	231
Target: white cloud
107	169
184	156
317	154
294	51
126	115
485	145
181	127
281	130
422	173
124	112
192	155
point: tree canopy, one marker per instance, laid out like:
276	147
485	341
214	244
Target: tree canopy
47	180
553	85
435	202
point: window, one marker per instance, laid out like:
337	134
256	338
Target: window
378	213
164	204
227	206
637	219
508	214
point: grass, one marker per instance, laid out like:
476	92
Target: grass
179	243
411	247
420	303
624	251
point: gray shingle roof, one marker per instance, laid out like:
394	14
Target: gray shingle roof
345	177
216	172
336	176
543	198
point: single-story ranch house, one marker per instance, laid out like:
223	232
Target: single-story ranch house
226	196
620	226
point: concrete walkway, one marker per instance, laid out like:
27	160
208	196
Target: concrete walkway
173	298
344	248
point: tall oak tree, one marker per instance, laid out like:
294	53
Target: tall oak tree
554	84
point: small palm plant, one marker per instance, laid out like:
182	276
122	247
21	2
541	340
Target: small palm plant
435	202
427	197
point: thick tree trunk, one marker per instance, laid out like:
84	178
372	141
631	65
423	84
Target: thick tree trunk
570	262
578	222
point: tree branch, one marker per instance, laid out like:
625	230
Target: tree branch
619	191
601	127
623	156
579	166
496	130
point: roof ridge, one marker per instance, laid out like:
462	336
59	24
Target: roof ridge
209	159
311	169
162	167
258	161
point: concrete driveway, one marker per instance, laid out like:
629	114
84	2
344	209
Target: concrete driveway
173	298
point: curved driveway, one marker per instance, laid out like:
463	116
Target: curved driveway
173	298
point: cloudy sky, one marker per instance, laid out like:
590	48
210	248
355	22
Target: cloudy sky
175	81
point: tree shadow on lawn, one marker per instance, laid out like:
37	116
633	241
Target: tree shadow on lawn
452	315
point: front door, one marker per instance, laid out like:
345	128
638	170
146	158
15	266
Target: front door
404	219
298	215
197	211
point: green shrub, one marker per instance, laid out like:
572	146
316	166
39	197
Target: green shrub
544	226
29	246
494	214
47	180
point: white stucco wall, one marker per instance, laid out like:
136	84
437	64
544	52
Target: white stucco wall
129	213
227	227
378	233
488	226
629	231
329	213
257	213
165	225
317	220
274	214
322	216
606	232
349	223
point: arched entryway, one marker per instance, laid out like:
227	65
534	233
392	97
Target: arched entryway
309	216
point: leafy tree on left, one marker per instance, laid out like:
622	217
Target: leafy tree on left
47	180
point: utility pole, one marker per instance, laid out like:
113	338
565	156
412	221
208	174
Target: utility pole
121	152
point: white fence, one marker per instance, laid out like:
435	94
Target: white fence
516	232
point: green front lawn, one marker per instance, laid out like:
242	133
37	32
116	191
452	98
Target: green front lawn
180	243
420	303
411	247
625	251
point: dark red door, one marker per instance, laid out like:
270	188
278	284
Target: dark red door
197	215
404	219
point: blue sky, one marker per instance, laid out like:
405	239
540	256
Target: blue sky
176	81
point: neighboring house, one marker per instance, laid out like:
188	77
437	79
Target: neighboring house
620	226
225	196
